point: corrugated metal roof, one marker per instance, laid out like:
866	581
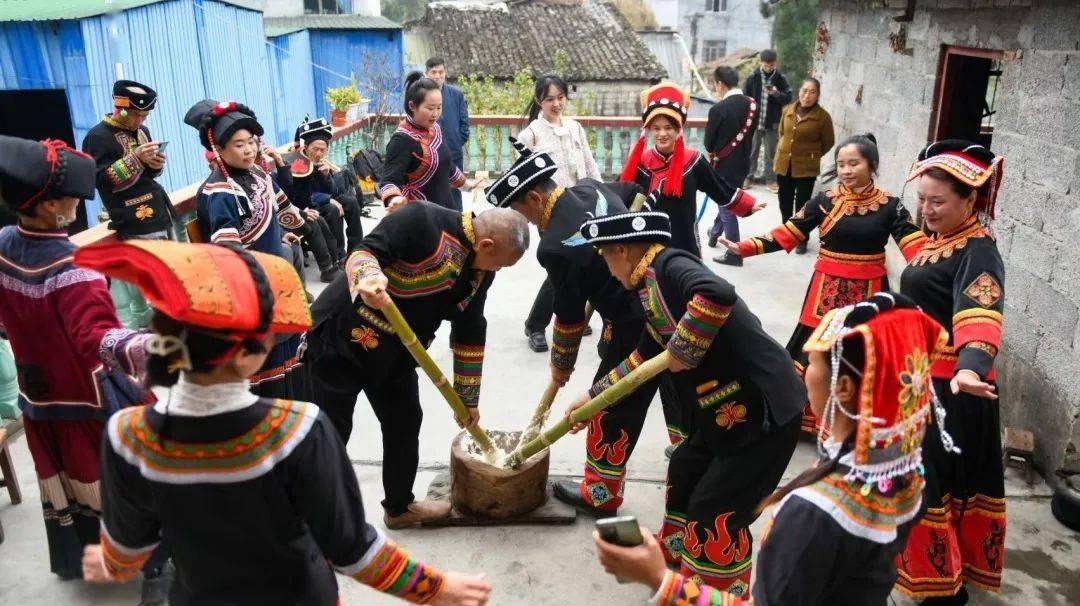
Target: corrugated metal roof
42	10
278	26
669	52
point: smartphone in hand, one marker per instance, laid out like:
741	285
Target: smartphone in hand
623	531
161	147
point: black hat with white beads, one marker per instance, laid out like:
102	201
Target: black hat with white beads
314	130
640	226
530	169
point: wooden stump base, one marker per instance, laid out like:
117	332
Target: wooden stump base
486	491
552	511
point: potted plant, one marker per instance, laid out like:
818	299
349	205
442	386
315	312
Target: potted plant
340	98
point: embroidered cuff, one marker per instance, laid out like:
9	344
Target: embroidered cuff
289	217
388	192
976	356
977	324
565	341
788	236
361	264
226	235
677	590
911	244
123	173
742	203
624	368
751	247
468	370
697	329
457	180
121	561
124	350
388	568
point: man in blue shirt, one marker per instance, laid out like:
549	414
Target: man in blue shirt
454	120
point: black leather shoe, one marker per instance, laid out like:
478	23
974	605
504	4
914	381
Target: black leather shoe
729	259
569	492
712	241
537	341
801	249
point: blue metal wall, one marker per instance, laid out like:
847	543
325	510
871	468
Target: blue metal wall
293	82
187	50
376	57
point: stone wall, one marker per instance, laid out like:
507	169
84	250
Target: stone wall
869	86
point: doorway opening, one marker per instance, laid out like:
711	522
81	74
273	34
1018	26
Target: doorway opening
39	114
966	94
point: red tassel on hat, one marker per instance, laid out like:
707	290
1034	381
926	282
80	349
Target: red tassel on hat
673	182
629	171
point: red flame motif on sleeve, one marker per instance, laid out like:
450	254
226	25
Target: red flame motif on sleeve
719	548
615	454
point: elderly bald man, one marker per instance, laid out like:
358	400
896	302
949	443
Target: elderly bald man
435	264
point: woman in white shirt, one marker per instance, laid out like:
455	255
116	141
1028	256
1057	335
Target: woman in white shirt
565	141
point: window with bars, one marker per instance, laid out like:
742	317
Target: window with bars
327	7
715	6
712	50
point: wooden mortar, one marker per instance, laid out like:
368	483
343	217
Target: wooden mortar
483	490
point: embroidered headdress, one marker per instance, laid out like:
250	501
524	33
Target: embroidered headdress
664	99
969	163
896	394
313	130
232	293
129	94
217	122
34	171
640	226
529	169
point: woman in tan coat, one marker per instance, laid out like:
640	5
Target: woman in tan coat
806	133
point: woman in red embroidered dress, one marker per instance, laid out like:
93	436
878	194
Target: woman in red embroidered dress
854	220
418	166
958	278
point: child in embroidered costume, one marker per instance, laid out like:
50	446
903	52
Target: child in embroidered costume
418	164
255	496
958	278
436	264
832	539
578	276
855	220
239	204
739	395
673	172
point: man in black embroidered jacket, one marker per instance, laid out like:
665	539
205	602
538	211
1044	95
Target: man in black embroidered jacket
435	264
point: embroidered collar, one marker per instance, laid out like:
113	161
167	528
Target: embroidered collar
467	227
940	247
113	122
413	125
847	203
549	206
646	261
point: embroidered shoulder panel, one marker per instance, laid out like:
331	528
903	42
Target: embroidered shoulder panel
657	313
243	458
846	204
938	248
872	516
436	273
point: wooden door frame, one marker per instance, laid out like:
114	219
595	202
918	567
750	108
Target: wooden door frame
941	102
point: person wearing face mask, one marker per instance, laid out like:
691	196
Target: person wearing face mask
855	221
806	133
418	165
959	279
76	361
239	204
565	142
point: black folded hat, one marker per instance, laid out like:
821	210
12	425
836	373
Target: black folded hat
314	130
529	169
33	171
639	226
129	94
220	120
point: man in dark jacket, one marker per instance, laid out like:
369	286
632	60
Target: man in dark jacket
771	90
732	123
454	120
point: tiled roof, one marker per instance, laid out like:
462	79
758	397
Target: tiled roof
501	38
278	26
48	10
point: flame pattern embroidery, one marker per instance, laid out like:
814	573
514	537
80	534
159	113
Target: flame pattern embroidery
719	549
599	450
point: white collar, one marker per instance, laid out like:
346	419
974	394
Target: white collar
732	91
187	399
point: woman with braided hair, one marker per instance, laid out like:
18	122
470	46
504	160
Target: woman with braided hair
256	496
840	523
75	359
239	204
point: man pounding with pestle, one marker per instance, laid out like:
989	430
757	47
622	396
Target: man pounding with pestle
435	264
579	276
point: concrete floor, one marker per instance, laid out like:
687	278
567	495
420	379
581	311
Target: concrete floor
554	565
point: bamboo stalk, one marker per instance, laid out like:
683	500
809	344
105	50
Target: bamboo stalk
416	348
536	422
622	388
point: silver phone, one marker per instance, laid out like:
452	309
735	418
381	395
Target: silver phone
621	530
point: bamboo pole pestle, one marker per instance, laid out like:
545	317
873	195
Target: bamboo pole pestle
536	423
416	348
622	388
